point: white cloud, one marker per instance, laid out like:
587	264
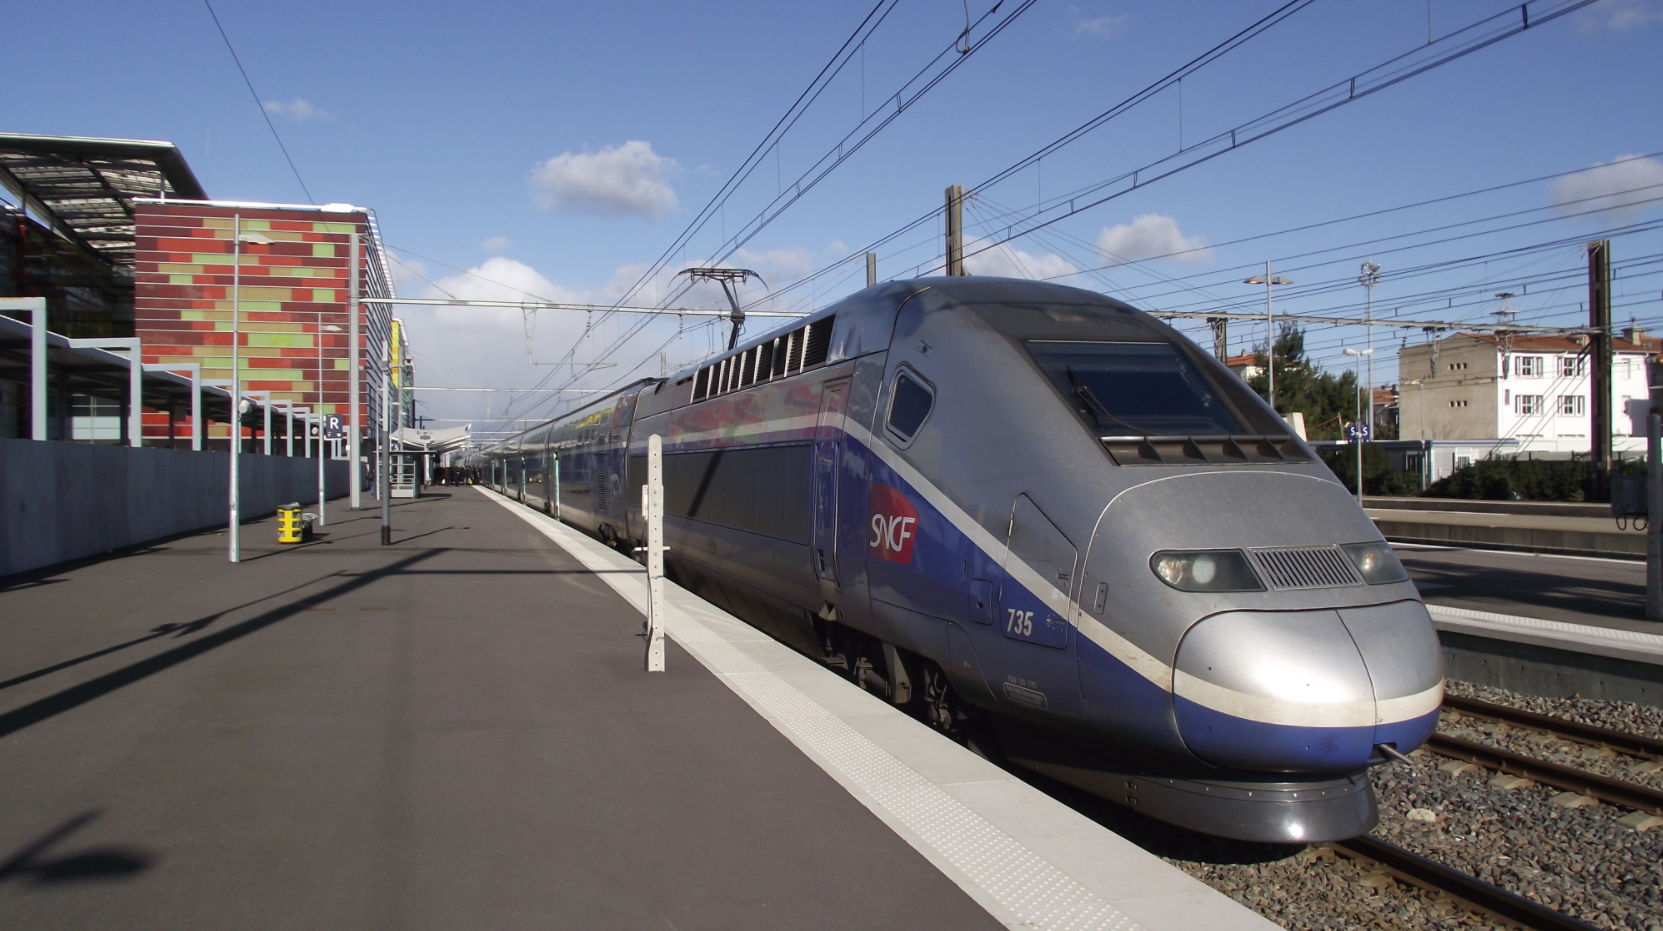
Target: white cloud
497	346
495	244
407	275
1612	188
297	110
1104	27
503	279
1149	236
776	266
622	180
1619	16
1007	261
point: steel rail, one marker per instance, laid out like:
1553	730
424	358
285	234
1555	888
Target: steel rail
1631	744
1604	788
1417	870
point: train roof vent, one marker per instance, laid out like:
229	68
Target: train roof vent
1138	449
1297	567
803	348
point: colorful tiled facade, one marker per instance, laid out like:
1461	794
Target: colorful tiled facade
293	297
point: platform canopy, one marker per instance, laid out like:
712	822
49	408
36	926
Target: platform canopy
84	187
414	439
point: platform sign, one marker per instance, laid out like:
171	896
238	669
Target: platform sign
1357	433
333	429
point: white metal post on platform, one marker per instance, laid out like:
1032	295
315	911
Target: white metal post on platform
195	368
35	307
654	507
135	379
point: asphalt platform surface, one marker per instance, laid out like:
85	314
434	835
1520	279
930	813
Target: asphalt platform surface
450	732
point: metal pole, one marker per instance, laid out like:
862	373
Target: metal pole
1599	318
198	431
1654	517
322	491
655	553
1270	343
265	408
382	482
135	396
36	306
288	429
354	382
955	229
236	387
871	269
1359	421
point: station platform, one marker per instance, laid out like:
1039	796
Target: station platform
1547	625
455	731
1563	529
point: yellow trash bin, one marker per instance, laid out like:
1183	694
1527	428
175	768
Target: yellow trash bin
291	527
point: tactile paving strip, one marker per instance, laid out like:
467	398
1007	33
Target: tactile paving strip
1032	892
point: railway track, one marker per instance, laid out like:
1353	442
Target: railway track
1605	788
1631	744
1417	870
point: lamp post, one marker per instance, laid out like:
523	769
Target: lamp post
237	409
1270	330
1360	353
322	490
1368	279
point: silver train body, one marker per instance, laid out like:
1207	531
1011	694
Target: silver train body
1041	519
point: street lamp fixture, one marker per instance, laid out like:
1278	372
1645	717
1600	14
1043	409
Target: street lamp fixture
1268	281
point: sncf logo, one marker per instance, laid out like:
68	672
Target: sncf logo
892	527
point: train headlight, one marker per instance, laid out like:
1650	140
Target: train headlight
1206	571
1376	563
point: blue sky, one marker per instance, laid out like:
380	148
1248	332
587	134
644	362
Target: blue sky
558	149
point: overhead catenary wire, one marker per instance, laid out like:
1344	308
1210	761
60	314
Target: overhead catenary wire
257	101
1450	47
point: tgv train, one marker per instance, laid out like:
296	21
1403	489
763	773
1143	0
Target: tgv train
1043	521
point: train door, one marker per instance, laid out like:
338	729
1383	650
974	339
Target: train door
828	448
1033	666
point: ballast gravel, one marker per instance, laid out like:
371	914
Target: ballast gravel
1577	860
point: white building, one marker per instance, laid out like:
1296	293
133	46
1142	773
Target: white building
1532	389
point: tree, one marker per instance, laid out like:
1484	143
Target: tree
1328	401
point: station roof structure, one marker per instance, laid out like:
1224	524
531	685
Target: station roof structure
84	187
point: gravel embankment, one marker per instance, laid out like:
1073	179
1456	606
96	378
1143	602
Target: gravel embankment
1577	860
1644	720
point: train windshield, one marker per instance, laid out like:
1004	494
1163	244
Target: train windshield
1137	389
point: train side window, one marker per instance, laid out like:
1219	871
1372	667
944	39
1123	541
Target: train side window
909	405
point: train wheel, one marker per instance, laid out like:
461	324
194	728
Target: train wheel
944	711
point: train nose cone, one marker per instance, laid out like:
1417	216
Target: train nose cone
1307	691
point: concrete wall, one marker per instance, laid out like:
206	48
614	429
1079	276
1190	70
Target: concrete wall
67	500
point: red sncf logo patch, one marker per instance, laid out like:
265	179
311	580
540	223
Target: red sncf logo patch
892	527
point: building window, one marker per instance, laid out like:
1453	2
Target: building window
1458	404
1527	366
1527	404
1457	366
1571	404
1572	366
